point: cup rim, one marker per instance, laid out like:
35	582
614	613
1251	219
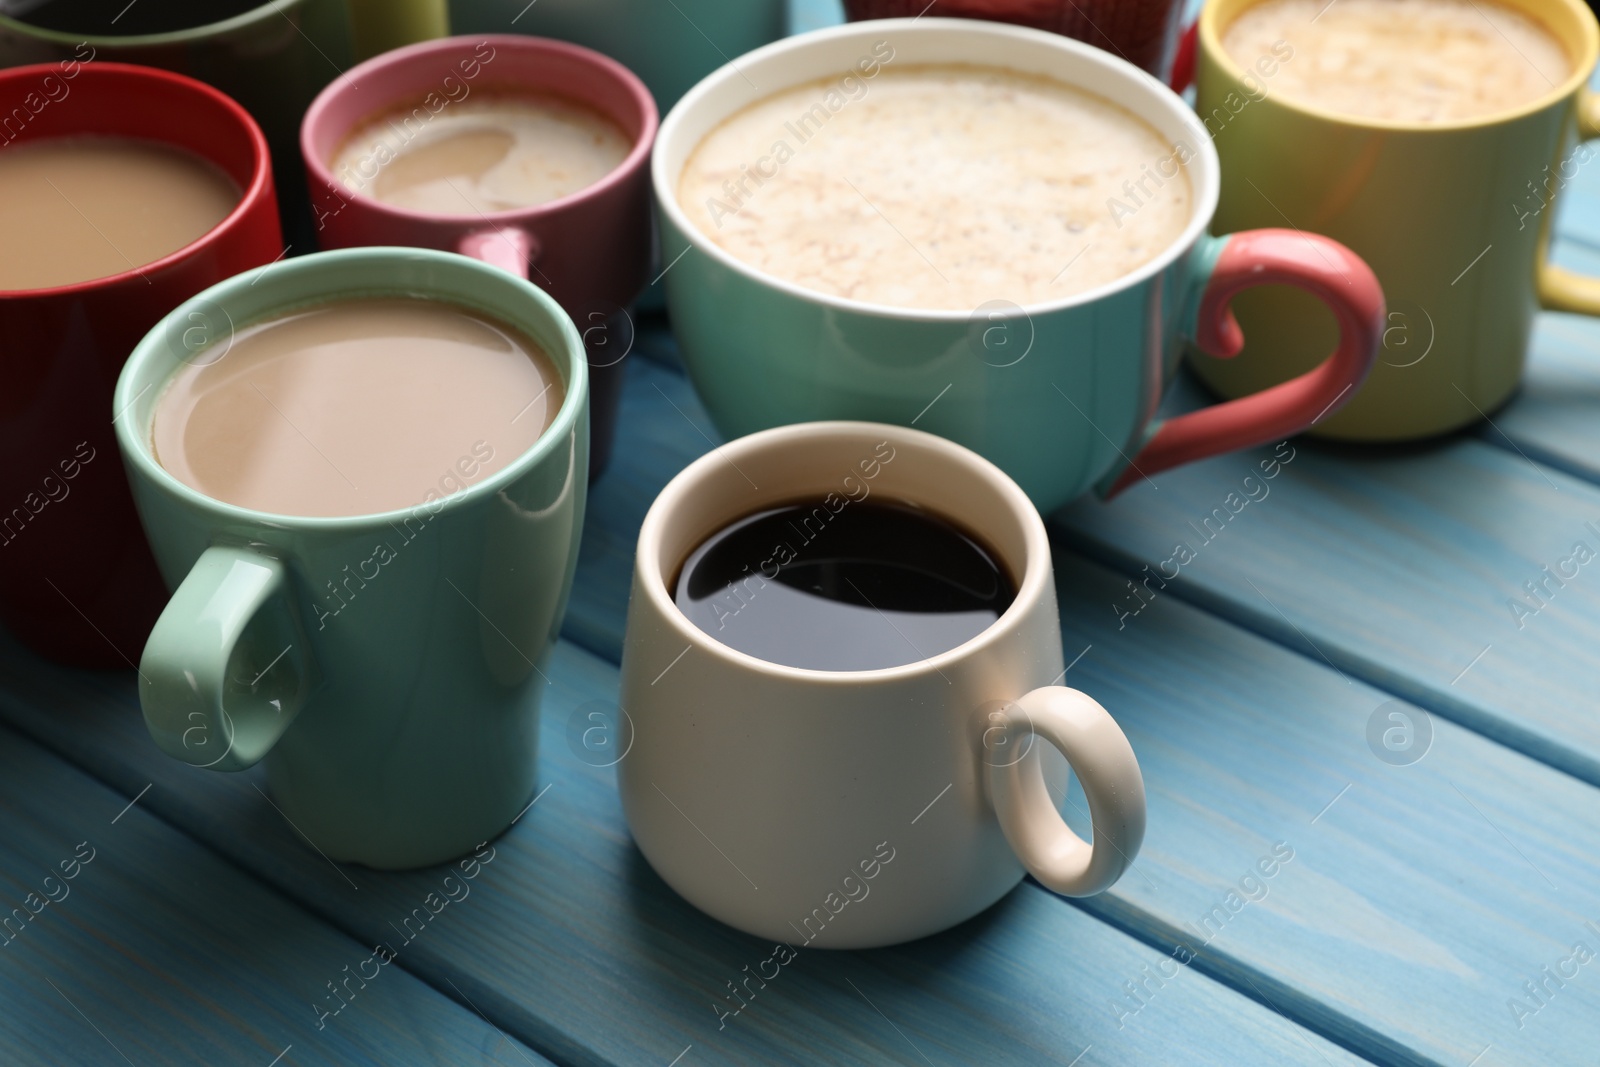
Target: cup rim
1210	33
315	117
249	198
1036	575
135	445
1205	157
237	22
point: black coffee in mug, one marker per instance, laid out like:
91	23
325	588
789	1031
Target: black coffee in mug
856	587
119	18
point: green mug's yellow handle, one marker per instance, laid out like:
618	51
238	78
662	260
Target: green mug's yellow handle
1561	289
379	25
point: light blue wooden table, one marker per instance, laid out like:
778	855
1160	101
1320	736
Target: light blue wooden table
1435	910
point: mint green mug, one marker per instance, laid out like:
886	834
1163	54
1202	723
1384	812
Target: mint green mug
387	666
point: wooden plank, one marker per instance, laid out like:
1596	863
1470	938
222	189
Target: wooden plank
662	428
572	944
1405	567
154	950
1419	897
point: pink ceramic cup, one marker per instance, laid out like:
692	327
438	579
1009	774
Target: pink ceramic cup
590	251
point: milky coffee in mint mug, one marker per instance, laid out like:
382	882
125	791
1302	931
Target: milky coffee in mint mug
386	664
1058	391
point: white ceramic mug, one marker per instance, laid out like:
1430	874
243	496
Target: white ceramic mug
862	808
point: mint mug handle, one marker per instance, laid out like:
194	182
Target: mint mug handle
1104	762
1322	267
227	668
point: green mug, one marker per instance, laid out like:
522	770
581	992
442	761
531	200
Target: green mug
273	58
1453	217
387	666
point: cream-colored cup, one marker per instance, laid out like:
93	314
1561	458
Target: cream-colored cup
854	809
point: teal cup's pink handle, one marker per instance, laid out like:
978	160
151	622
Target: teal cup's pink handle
1322	267
226	669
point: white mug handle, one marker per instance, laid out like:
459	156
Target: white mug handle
1100	755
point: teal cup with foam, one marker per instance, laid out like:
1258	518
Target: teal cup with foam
1062	395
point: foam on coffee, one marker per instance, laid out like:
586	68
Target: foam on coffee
941	186
486	154
355	407
73	209
1403	60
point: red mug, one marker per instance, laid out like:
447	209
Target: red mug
77	581
1144	32
590	250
